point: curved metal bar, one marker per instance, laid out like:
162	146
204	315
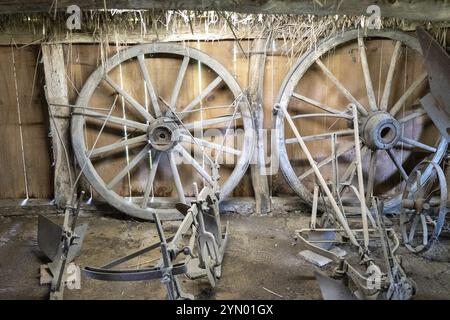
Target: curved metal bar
131	275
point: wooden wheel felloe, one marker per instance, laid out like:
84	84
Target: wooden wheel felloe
394	131
144	136
423	208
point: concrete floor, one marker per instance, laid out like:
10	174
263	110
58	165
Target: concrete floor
260	256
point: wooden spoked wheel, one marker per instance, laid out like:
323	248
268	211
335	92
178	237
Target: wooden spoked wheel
379	72
423	208
142	144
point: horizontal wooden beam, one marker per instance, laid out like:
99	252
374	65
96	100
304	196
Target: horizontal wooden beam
438	10
241	205
24	38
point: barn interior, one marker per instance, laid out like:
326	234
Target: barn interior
224	150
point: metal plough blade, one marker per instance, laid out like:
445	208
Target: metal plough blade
333	289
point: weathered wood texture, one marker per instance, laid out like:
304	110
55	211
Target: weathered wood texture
256	92
56	93
25	159
412	9
81	60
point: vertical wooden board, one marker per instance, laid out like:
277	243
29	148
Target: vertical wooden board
87	59
12	180
244	188
109	166
35	125
82	60
79	64
124	76
277	66
224	53
230	55
133	84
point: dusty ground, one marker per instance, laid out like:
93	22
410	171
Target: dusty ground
260	256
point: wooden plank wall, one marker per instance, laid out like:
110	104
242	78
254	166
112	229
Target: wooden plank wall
25	154
83	59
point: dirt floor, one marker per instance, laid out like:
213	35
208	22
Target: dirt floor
261	261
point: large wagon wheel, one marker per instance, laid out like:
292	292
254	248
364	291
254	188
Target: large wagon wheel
392	123
142	141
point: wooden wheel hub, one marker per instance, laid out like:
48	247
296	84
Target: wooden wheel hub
163	134
418	204
380	130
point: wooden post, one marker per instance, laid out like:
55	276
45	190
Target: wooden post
56	93
255	87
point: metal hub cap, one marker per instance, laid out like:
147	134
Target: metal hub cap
163	134
380	131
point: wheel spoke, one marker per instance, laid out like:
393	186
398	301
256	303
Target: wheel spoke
349	174
129	167
388	84
117	146
136	105
341	88
208	122
176	177
326	161
321	136
412	231
367	78
418	144
186	155
372	173
316	103
419	185
412	116
116	120
408	93
424	230
151	178
324	115
179	81
149	85
201	96
397	164
211	145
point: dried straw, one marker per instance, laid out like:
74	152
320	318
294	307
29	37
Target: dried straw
298	33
